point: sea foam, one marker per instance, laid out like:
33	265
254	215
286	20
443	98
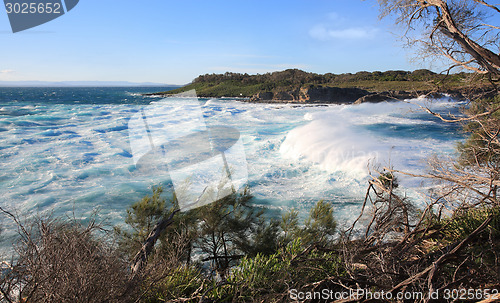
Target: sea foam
77	157
346	139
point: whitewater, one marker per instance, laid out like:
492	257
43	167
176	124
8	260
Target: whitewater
68	151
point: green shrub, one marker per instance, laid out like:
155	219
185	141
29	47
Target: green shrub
464	222
180	282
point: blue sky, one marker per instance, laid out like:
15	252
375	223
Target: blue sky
174	41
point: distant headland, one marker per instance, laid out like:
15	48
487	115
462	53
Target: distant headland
297	86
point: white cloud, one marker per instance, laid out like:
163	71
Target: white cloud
323	33
6	71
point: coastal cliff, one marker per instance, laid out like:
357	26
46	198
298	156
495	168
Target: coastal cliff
320	94
312	94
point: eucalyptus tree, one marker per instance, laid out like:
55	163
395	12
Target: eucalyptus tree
462	31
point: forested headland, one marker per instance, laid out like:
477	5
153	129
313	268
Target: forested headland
294	85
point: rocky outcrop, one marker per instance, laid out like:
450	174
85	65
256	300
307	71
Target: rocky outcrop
402	95
264	96
280	96
313	94
327	94
286	96
330	94
386	96
373	98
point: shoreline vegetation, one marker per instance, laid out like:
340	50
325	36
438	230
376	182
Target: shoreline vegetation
297	86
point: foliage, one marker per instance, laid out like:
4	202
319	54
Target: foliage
227	228
179	282
482	147
246	253
244	85
222	232
289	225
320	226
141	217
269	278
465	221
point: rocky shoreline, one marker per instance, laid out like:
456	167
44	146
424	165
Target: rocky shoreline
317	94
336	95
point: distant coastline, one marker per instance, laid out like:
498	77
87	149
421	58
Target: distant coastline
83	84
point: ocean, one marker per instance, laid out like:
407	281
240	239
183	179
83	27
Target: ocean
68	150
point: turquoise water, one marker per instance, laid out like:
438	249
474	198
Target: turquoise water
68	150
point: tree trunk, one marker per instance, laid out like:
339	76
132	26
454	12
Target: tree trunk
141	257
486	58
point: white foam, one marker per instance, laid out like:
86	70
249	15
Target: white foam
296	155
336	140
331	144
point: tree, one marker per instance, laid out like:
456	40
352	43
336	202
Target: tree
289	224
456	29
148	221
223	231
231	228
320	226
141	218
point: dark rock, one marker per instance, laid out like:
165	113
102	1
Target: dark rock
326	94
386	96
373	98
318	94
284	96
262	96
312	94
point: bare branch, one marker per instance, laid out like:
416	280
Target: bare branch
488	5
454	120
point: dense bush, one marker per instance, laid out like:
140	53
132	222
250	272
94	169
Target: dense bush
245	85
61	260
